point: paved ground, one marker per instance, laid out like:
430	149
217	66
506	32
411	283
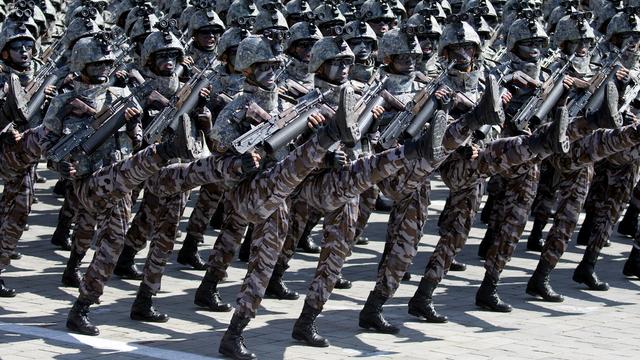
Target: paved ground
587	325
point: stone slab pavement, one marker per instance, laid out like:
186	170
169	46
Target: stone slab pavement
588	325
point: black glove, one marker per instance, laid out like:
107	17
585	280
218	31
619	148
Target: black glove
66	169
335	159
248	164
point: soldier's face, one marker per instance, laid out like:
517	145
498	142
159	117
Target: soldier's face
404	63
21	52
382	25
429	44
302	49
336	71
579	47
165	62
206	38
530	49
98	72
265	73
462	54
362	48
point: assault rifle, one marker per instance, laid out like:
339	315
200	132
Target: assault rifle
181	103
48	75
273	132
92	135
416	113
629	98
591	99
543	100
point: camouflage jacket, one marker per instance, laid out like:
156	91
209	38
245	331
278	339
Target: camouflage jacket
295	79
59	122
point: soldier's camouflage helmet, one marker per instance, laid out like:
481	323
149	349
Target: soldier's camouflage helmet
359	29
136	13
377	9
571	28
185	17
328	48
513	7
483	7
431	8
255	49
398	9
270	19
459	32
230	38
159	41
623	23
79	28
204	18
91	49
23	15
328	14
548	7
606	10
240	9
400	41
296	9
303	31
98	18
14	31
429	22
525	29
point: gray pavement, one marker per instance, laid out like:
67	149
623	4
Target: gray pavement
588	325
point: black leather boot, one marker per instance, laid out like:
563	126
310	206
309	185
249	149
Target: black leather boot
486	243
71	275
62	236
189	256
383	203
406	276
245	248
306	243
207	295
78	319
142	308
535	242
585	272
585	230
629	224
6	292
421	304
342	283
632	265
232	343
539	285
371	315
457	266
277	288
487	296
305	328
126	267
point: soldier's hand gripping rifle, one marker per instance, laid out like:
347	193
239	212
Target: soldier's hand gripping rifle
543	100
591	99
416	113
92	135
273	132
183	102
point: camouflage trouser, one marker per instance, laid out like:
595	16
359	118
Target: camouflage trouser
546	194
340	187
611	189
299	216
102	196
142	224
366	206
16	159
17	198
511	215
496	190
164	218
463	177
575	174
227	244
83	230
203	210
67	213
635	196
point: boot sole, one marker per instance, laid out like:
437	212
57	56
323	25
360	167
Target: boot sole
427	319
494	90
368	326
492	309
346	117
581	280
437	130
144	319
73	328
231	355
537	295
301	338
